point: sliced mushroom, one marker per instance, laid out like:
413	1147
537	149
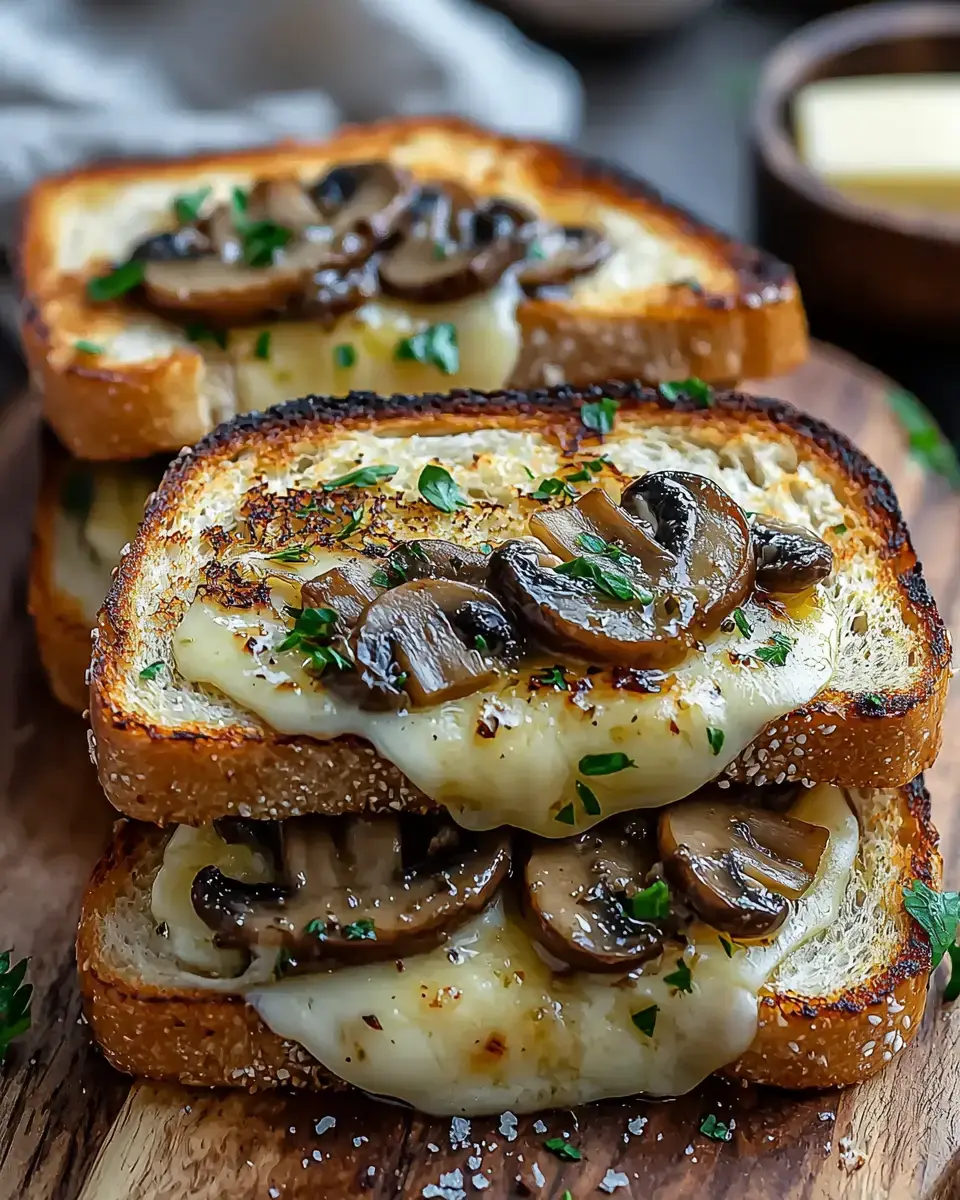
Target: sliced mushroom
567	531
562	254
570	614
453	251
362	203
435	558
285	202
176	245
739	867
358	889
578	892
333	291
419	639
347	589
707	531
220	291
789	557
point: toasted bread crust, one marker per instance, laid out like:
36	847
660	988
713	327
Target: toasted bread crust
212	1039
62	630
750	324
193	774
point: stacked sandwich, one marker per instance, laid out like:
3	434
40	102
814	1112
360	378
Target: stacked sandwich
513	750
410	256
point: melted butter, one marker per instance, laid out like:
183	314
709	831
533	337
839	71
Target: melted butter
490	1027
303	357
524	774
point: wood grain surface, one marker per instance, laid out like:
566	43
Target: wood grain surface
71	1127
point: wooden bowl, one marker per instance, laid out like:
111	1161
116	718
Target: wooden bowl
858	263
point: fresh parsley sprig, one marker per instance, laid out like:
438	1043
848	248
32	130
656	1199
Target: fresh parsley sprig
436	346
362	477
605	579
774	654
14	1001
312	632
438	486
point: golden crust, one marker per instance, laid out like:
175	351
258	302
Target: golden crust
192	774
215	1039
749	320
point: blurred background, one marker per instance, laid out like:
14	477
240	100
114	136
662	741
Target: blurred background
667	88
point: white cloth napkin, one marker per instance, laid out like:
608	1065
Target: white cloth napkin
88	79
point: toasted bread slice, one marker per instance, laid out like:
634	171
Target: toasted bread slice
677	299
837	1009
85	515
171	751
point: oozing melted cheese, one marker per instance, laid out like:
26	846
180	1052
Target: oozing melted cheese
526	772
484	1024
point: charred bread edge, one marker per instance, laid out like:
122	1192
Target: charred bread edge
127	745
212	1040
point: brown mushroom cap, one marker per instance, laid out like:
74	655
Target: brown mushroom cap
347	589
577	893
561	254
789	558
412	640
358	889
436	558
567	532
739	867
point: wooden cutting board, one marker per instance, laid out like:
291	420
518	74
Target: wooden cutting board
71	1127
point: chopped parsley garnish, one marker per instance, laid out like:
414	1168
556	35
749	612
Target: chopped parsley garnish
261	347
741	622
361	477
153	670
650	904
566	815
605	764
646	1019
596	545
562	1149
928	444
873	701
486	548
547	488
591	805
555	677
86	347
438	486
437	346
694	389
316	928
356	520
187	206
727	946
291	554
480	643
711	1127
344	355
312	631
238	205
937	913
581	476
681	978
439	251
716	739
261	240
536	251
198	332
382	579
529	473
841	528
775	653
360	931
605	579
952	990
599	415
117	282
14	1001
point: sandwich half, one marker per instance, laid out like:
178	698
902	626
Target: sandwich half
162	298
520	750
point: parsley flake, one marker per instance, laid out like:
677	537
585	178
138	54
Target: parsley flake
186	207
775	653
562	1149
937	913
716	739
261	347
316	928
86	347
548	488
152	670
117	282
555	677
480	643
649	904
600	415
313	629
688	389
361	477
952	990
438	486
646	1019
604	579
360	931
486	548
290	554
727	946
605	764
196	331
14	1001
873	702
591	805
566	815
261	240
596	545
741	622
713	1128
841	528
344	355
681	978
436	346
356	520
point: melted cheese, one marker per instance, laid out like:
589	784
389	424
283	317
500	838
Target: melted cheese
524	774
484	1024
